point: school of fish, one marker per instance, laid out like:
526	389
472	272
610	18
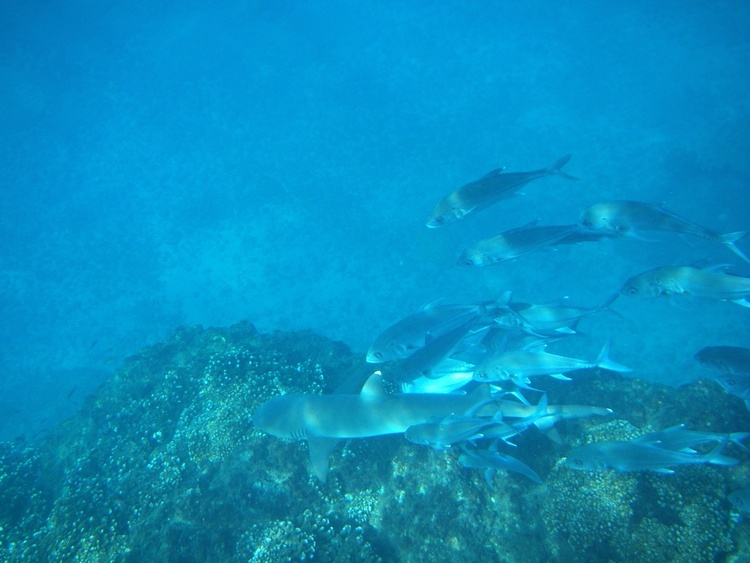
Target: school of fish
459	375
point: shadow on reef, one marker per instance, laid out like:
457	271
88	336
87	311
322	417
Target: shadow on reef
163	464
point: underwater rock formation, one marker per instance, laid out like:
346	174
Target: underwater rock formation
163	464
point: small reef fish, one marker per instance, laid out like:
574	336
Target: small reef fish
513	244
493	461
627	218
741	499
323	420
410	333
687	280
726	359
491	188
639	456
519	365
737	384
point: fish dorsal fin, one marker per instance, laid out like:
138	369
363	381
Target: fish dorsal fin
494	172
536	346
373	387
528	225
481	394
431	304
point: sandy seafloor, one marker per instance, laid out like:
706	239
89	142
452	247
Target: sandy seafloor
172	164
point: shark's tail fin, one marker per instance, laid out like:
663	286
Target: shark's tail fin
729	239
556	168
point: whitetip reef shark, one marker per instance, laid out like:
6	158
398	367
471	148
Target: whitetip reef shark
323	420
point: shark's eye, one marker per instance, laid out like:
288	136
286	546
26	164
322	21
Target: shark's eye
439	220
377	355
577	462
657	281
587	223
632	290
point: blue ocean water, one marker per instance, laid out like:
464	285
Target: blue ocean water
172	163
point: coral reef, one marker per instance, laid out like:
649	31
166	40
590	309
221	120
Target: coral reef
163	464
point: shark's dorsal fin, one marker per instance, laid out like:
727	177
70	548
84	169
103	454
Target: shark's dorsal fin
373	387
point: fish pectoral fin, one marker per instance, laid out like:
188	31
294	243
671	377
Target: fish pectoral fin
320	450
560	376
636	235
489	473
743	302
663	470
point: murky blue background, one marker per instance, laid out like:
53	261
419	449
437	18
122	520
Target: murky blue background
169	163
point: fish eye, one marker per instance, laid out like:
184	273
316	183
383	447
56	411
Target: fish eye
657	281
377	355
587	223
439	220
577	462
632	290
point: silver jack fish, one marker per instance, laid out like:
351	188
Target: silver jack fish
553	318
680	439
443	433
726	359
738	385
686	280
426	361
452	429
627	218
638	456
410	333
519	365
492	461
489	189
513	243
552	414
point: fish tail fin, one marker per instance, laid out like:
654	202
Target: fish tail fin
603	361
715	456
729	239
607	306
556	168
738	437
539	412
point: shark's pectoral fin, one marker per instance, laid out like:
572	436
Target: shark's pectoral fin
320	450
